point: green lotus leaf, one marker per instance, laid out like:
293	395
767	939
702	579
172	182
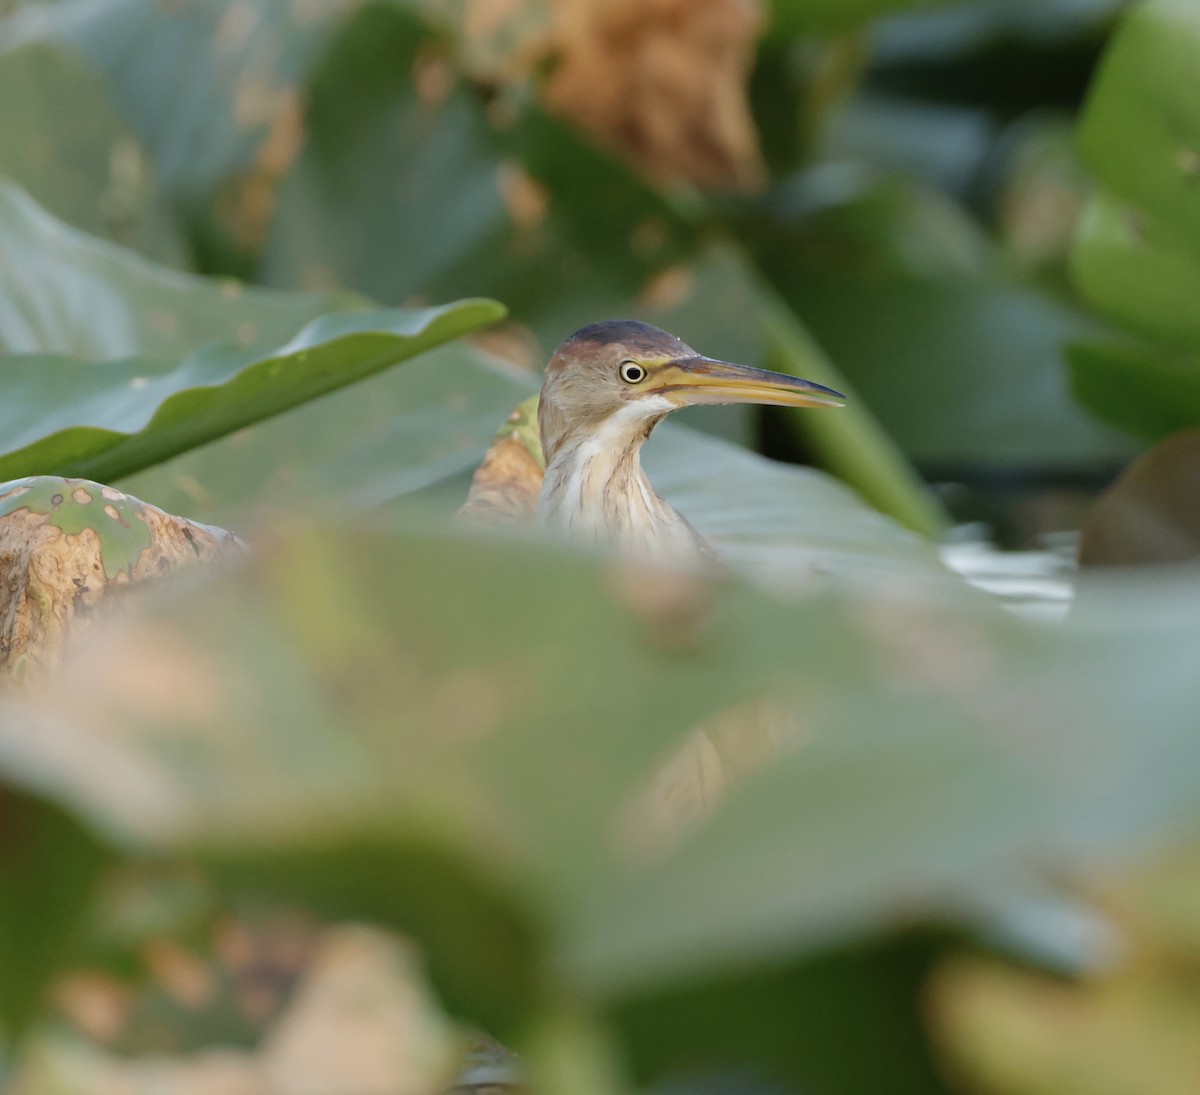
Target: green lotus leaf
139	363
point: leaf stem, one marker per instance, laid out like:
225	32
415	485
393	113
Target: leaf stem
850	440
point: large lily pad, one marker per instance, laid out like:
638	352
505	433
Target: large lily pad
394	696
183	359
796	524
369	448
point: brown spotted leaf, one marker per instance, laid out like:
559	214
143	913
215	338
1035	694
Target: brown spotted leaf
66	545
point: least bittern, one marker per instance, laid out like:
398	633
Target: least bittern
606	388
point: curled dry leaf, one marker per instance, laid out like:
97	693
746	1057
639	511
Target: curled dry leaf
507	484
66	545
662	81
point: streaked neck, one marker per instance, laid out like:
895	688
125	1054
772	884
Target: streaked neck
595	488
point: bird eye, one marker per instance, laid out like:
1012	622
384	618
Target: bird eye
631	372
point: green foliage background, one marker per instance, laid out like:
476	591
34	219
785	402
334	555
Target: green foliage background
223	224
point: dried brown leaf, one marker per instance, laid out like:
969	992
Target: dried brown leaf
663	81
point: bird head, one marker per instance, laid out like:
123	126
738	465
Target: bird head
632	374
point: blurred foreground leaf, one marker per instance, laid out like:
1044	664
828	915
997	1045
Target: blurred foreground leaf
363	715
183	360
354	1013
836	1021
1131	1027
